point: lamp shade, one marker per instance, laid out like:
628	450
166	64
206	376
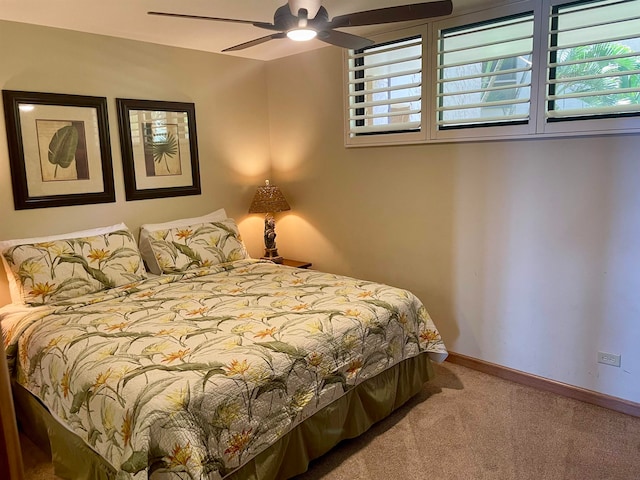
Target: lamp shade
268	199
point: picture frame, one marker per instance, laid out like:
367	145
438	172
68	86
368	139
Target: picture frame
59	149
159	148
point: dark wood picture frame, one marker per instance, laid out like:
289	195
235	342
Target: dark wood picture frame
152	133
37	126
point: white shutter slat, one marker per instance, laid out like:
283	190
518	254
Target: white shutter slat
591	111
483	90
475	59
588	41
390	101
467	106
355	93
486	44
593	59
396	127
603	23
392	61
386	114
388	48
414	71
474	120
490	74
617	73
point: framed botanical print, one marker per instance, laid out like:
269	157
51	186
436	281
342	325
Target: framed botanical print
59	149
159	148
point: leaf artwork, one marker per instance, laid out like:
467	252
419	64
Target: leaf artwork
167	146
62	147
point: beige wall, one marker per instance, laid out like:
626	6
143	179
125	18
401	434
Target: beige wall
231	116
524	252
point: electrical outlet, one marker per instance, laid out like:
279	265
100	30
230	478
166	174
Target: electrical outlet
609	359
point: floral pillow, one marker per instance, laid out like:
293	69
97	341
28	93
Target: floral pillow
56	270
146	232
200	245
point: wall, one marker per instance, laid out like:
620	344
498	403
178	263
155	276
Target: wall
228	92
524	252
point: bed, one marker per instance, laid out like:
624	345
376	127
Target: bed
221	367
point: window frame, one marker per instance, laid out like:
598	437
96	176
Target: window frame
474	132
390	138
537	126
578	126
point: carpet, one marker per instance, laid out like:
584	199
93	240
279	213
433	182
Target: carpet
467	425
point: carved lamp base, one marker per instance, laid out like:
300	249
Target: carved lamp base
272	254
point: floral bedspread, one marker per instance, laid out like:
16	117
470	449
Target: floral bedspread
196	373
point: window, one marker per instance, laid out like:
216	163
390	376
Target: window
528	68
594	60
385	88
484	73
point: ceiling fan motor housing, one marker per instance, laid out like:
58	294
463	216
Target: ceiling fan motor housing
283	19
312	7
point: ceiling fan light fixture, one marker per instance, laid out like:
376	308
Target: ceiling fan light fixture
302	34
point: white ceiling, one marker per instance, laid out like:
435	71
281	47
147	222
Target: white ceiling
129	19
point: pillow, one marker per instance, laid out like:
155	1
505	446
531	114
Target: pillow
194	246
14	288
147	229
50	269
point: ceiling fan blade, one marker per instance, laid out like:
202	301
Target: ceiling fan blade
401	13
268	26
344	40
255	42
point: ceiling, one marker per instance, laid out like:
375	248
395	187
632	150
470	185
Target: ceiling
129	19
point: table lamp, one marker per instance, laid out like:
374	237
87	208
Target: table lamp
269	200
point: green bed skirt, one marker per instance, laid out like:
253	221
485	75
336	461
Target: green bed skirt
347	417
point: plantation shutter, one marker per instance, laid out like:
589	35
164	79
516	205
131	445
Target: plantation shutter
484	73
594	59
385	88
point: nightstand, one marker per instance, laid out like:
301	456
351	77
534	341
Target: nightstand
295	263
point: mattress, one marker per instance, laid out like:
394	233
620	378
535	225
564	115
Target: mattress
198	375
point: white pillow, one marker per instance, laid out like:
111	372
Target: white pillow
147	229
14	288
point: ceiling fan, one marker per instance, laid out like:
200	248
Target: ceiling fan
306	19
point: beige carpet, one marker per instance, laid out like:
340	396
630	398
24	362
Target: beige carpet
471	426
